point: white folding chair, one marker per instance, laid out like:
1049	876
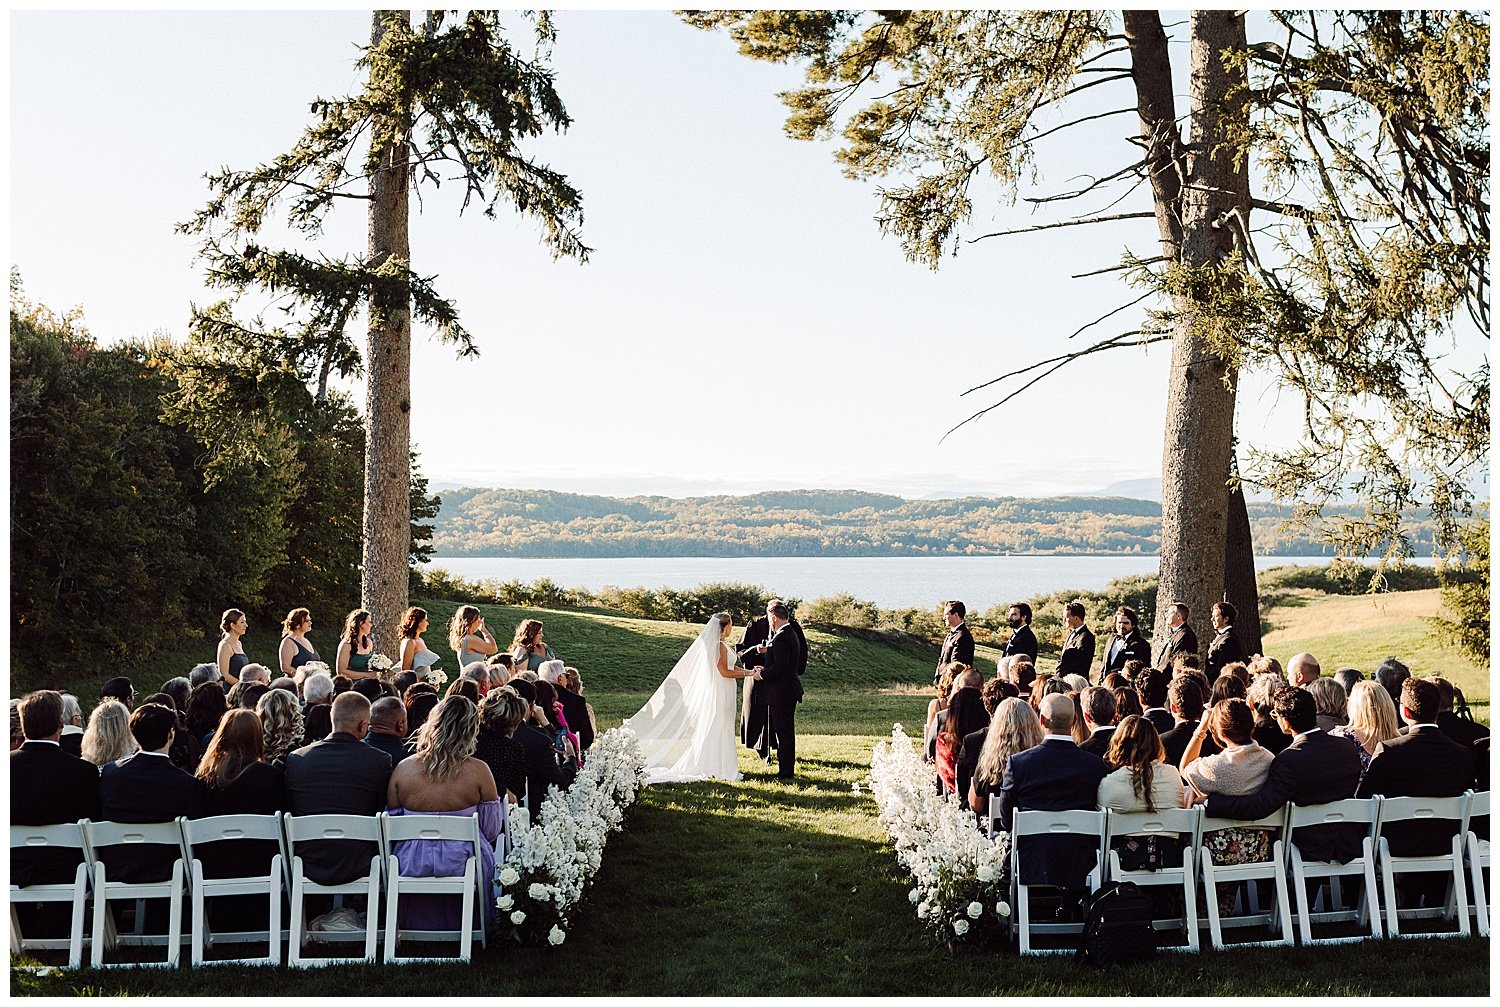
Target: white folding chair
1352	811
993	828
1424	809
265	829
1170	826
468	886
313	828
1477	853
51	837
1088	824
1273	870
103	836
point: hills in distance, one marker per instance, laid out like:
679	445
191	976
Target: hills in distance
546	523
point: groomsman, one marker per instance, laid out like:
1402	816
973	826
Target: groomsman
1225	648
1180	637
1022	639
1127	643
1077	655
958	645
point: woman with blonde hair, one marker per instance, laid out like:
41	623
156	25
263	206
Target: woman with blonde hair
1372	719
468	637
442	777
527	648
281	724
108	736
1014	727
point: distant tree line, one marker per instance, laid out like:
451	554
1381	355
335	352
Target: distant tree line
541	523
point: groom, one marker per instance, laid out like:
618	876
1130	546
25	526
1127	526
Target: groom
780	682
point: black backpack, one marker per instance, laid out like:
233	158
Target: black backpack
1117	926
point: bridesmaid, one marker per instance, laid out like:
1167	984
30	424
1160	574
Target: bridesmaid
414	653
353	658
468	637
528	648
295	648
231	651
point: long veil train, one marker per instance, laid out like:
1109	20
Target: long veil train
687	727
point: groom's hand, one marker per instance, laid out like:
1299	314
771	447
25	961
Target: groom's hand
757	675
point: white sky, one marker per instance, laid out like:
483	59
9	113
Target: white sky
739	284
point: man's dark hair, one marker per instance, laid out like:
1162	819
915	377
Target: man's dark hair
1025	611
780	611
1226	611
1347	677
118	688
370	688
956	607
152	725
1151	686
41	714
1007	690
1186	697
341	685
503	660
1099	704
992	693
1181	609
1390	675
1187	661
403	680
526	690
1420	699
1297	706
1133	668
1445	693
1076	610
250	697
1131	615
180	689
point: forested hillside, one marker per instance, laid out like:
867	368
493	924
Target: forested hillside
506	522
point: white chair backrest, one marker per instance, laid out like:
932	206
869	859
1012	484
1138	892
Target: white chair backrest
1406	809
1058	823
105	834
1351	811
461	828
1479	803
37	837
1275	820
222	828
305	828
1164	821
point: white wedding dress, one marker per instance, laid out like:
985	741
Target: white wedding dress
687	727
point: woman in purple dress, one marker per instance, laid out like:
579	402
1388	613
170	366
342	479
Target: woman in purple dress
442	777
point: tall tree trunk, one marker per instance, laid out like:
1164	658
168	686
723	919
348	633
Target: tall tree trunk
387	518
1199	430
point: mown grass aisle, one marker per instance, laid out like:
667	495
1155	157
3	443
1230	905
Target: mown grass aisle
768	888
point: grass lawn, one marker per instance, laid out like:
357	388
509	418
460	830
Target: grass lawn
766	888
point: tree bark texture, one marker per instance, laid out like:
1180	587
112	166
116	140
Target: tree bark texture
1199	428
387	516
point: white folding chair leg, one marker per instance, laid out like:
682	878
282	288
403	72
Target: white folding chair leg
392	904
1190	910
372	908
101	913
1476	873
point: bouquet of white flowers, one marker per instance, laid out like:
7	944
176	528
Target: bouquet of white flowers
551	860
382	665
434	676
960	876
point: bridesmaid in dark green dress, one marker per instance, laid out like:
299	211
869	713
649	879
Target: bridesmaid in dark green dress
231	656
353	659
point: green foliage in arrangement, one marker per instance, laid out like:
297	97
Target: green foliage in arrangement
509	522
1466	596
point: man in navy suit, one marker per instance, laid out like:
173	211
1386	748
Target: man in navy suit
147	787
1056	775
1315	768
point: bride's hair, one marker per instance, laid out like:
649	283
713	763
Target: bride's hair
723	619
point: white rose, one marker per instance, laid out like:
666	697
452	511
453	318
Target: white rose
975	910
914	896
538	892
960	926
509	876
556	936
921	909
986	873
1002	908
518	917
505	902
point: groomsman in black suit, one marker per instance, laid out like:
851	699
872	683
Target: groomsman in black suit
1225	647
958	645
1077	655
1127	644
1180	638
1022	640
781	677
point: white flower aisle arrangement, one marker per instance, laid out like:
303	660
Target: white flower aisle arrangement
552	860
959	875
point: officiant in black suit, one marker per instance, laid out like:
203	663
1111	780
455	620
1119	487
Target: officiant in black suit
754	732
780	680
958	645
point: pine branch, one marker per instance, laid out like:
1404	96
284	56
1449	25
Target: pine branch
1064	223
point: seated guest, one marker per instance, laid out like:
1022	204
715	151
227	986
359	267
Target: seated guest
235	776
1022	671
370	688
1185	698
1302	670
938	704
339	775
1141	780
1075	683
965	716
1187	662
403	680
1014	727
1099	717
146	787
108	737
206	672
467	688
286	685
181	690
119	689
1127	704
1372	720
969	746
573	682
281	726
1390	674
1347	677
1267	734
499	667
1463	730
206	705
552	721
185	748
317	706
71	740
388	728
500	714
575	710
16	737
1240	767
1151	688
1056	775
1315	768
1261	664
419	704
543	767
1080	732
1333	705
479	673
442	777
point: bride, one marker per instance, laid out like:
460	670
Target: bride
687	727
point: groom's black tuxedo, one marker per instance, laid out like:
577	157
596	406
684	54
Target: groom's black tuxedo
781	682
755	718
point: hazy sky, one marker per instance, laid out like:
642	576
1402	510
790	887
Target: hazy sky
742	325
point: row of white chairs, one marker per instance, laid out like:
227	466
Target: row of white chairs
284	873
1287	870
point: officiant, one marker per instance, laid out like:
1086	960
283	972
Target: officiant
755	731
